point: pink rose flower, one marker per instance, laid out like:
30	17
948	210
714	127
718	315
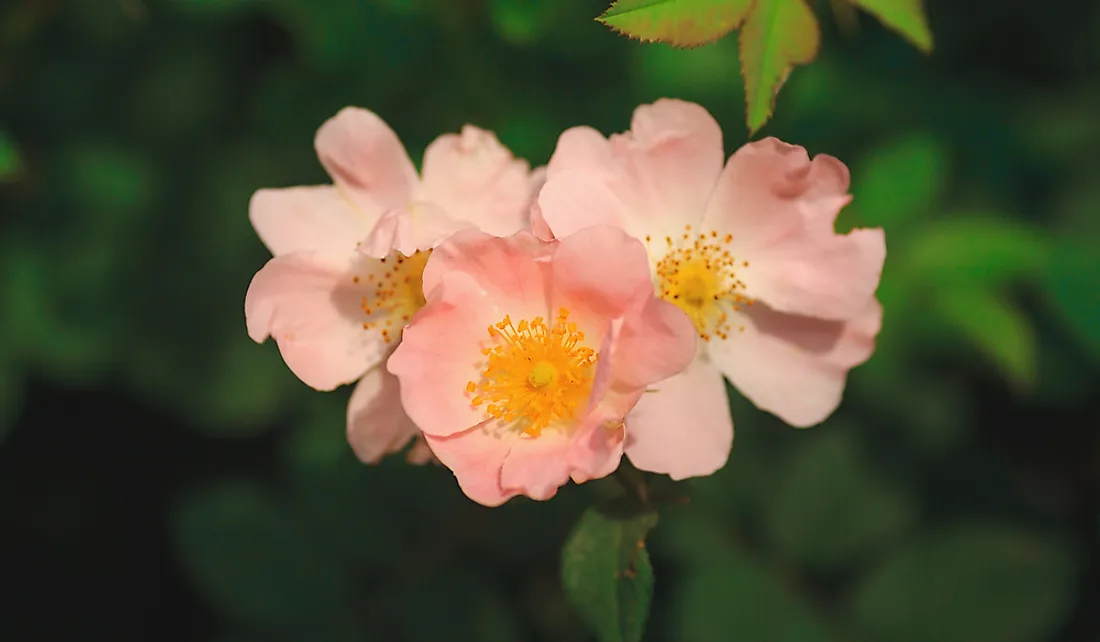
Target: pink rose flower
783	306
348	257
528	355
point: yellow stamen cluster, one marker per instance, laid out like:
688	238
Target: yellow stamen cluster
699	275
395	295
537	375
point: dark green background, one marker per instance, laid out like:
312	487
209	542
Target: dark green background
164	478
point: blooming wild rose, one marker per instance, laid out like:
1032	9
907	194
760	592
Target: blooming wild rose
782	305
529	354
348	257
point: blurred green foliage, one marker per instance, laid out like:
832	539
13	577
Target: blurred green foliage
955	496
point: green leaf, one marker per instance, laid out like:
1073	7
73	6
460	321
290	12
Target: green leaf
680	23
1073	289
992	250
11	165
777	35
898	182
903	16
975	582
606	570
253	560
832	508
994	326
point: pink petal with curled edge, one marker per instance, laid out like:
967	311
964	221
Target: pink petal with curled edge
309	302
674	151
476	456
573	200
377	423
682	426
421	226
513	271
780	208
366	160
477	180
795	367
440	352
298	219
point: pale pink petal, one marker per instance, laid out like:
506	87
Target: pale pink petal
539	227
514	269
572	200
597	447
377	424
537	466
477	180
827	277
476	456
795	367
298	219
682	426
581	149
780	208
366	160
310	303
656	342
440	352
601	271
674	152
421	226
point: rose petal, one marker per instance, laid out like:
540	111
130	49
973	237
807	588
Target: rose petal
780	207
573	200
682	427
512	271
310	303
440	353
366	160
581	149
377	423
420	227
601	270
674	151
476	456
477	180
795	367
298	219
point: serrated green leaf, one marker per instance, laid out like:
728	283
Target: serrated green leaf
777	35
995	327
832	507
992	250
606	570
976	582
899	181
680	23
903	16
1073	289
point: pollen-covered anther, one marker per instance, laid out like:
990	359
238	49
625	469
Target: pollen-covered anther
699	275
537	375
394	294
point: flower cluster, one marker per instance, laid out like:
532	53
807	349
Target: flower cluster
525	328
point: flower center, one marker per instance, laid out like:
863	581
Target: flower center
395	293
537	375
697	273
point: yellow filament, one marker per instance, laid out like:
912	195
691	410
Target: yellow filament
699	275
537	375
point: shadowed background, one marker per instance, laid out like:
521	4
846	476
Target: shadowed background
164	478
